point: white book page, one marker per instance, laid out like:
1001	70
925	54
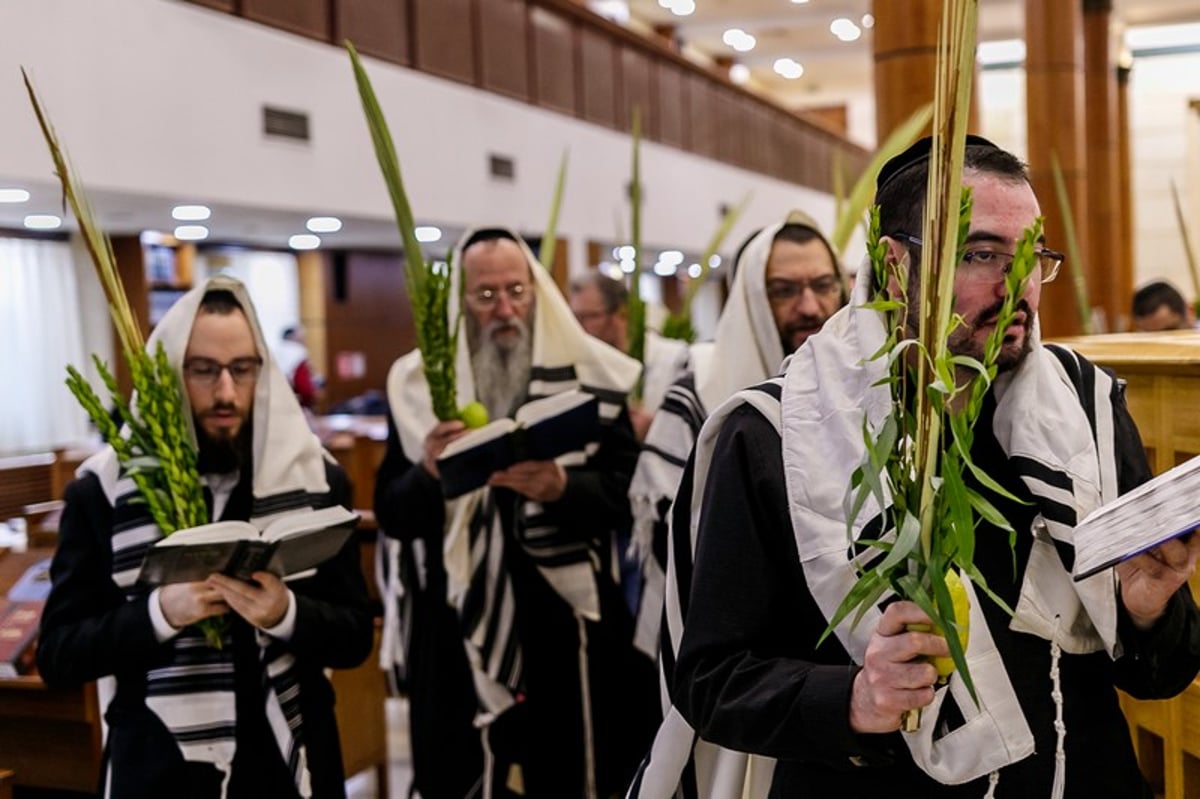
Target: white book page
480	435
209	534
300	522
1167	506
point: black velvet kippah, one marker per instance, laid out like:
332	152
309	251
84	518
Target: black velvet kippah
915	154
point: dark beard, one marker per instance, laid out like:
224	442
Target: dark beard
223	455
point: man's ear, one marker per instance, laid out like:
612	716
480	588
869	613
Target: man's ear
897	260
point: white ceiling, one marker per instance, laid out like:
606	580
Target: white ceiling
783	28
800	30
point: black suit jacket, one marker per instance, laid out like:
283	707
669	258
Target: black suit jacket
89	630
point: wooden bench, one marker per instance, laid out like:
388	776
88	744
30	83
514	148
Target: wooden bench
24	480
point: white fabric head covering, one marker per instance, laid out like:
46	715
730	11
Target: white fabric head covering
746	346
287	455
558	340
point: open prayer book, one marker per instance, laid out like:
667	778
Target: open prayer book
1159	510
287	546
542	430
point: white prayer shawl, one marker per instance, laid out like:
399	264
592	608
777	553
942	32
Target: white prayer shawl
564	357
746	350
666	360
289	474
827	388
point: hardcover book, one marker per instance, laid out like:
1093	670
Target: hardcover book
1154	512
286	547
541	430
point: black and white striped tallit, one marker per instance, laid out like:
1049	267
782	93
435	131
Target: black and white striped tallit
564	357
1066	460
745	350
194	695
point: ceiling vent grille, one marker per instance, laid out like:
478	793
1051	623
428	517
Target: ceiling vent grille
285	124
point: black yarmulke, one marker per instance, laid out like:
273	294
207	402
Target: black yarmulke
918	152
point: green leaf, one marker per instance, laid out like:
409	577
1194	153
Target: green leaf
550	237
907	538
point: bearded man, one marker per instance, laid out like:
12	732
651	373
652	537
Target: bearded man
254	717
520	665
764	500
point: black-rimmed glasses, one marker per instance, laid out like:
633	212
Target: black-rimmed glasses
987	265
206	371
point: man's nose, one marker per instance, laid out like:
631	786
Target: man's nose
225	389
504	306
807	302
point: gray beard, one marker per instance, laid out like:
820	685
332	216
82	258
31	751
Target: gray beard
501	372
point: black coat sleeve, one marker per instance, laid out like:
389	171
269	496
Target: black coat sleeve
408	499
334	622
749	675
88	629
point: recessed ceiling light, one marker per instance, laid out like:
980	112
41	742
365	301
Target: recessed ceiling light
304	241
428	233
324	224
43	222
845	29
191	213
714	261
191	232
695	270
739	40
739	74
789	68
868	20
663	269
682	8
800	2
14	196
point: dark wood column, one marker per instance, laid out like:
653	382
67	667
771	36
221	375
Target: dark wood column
1112	288
1054	91
1125	175
905	44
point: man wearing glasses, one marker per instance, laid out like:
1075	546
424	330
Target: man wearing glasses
765	499
786	284
253	717
520	666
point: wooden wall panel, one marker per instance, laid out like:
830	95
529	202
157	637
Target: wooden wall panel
729	123
702	122
444	40
597	77
503	47
671	106
377	27
219	5
306	17
756	145
367	315
553	60
637	89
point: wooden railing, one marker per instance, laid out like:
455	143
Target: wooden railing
557	55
